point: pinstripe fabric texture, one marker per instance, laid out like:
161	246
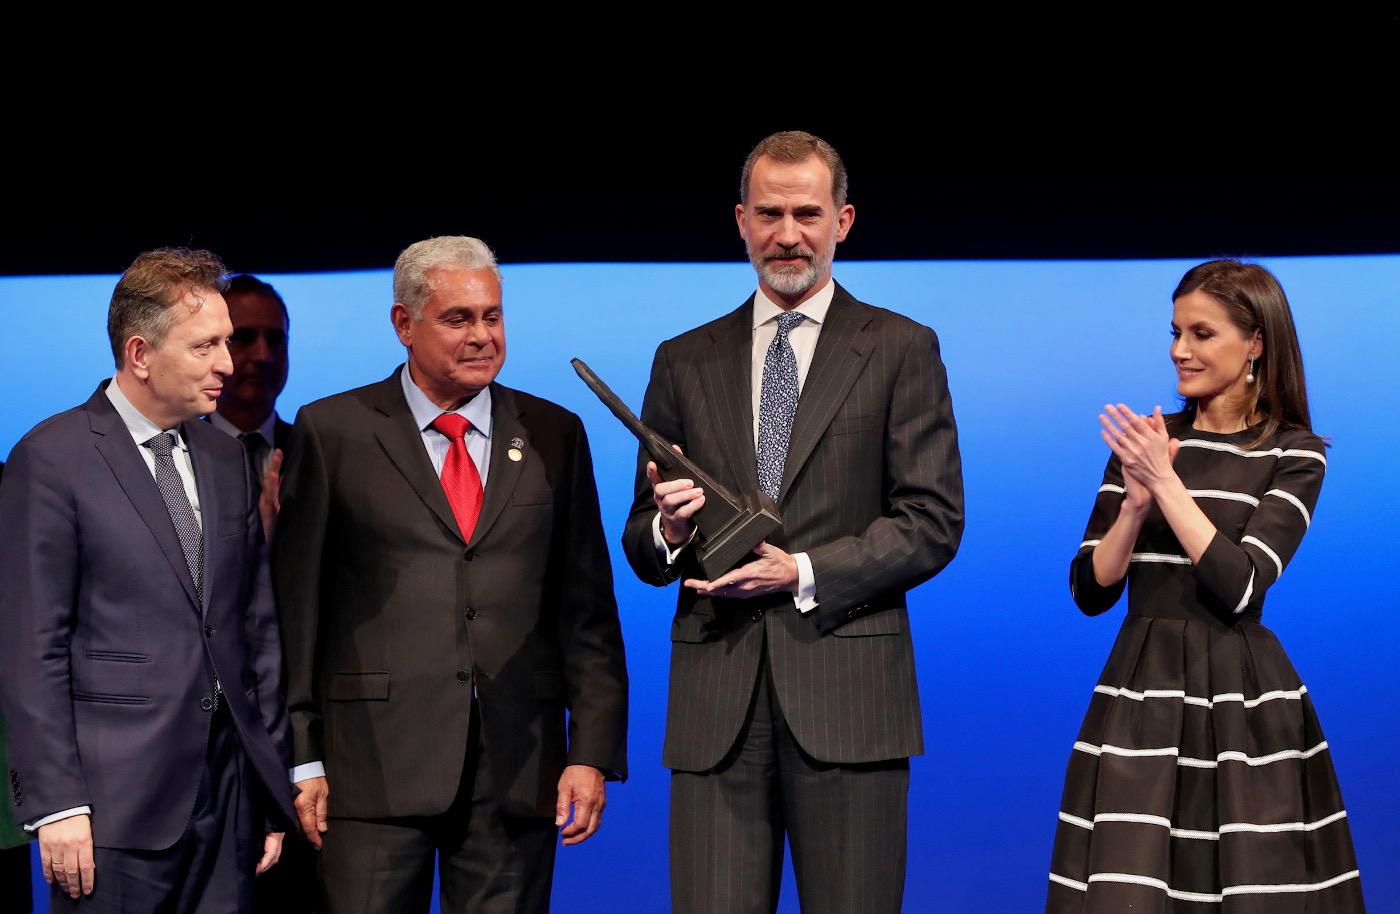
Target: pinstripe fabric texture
872	492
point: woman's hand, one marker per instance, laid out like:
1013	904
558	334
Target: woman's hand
1143	447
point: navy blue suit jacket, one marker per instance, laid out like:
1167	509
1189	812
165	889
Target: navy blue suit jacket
107	661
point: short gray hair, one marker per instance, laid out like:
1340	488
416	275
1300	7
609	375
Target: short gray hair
411	284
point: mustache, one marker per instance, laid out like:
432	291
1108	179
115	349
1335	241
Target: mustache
787	253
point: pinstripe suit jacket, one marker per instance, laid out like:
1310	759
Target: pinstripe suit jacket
872	492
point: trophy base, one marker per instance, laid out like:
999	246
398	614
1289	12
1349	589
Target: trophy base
726	549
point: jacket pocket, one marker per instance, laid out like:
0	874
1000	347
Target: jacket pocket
849	425
549	686
358	687
117	656
102	698
880	622
692	628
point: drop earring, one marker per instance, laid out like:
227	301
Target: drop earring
1249	378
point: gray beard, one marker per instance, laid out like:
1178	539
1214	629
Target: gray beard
790	280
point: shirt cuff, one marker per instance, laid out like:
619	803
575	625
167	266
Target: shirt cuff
66	814
663	548
806	596
308	770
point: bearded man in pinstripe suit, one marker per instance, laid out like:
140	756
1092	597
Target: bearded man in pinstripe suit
793	706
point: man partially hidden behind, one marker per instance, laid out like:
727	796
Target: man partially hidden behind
248	405
793	706
141	672
456	679
248	411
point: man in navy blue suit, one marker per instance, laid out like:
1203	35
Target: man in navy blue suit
140	672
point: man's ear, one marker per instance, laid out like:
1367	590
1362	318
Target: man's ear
136	355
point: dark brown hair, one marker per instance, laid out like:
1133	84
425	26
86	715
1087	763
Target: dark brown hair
1254	301
248	284
142	303
792	147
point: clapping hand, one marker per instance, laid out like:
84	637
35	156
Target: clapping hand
1143	447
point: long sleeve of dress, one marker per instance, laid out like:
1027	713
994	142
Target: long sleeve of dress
1090	596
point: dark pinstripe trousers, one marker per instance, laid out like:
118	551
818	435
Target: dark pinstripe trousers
846	824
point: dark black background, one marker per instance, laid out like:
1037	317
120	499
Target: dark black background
1097	149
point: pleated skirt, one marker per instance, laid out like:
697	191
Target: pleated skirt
1201	782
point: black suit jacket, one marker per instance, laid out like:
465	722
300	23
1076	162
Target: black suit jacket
388	614
872	492
282	435
108	658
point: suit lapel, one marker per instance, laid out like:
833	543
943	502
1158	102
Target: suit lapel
204	475
502	473
842	351
402	440
728	378
119	451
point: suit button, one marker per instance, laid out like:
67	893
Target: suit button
471	614
756	615
207	703
470	554
19	799
208	631
464	676
850	614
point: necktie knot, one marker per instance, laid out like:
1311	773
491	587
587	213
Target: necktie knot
253	439
452	425
788	320
162	445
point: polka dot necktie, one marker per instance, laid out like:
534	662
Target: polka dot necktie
460	479
777	406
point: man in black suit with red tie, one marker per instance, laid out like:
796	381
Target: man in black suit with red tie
141	673
793	705
456	679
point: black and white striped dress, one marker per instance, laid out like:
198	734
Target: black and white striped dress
1201	781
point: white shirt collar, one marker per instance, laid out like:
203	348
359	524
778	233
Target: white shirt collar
764	310
137	425
268	429
477	410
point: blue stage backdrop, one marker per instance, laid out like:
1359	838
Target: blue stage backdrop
1006	662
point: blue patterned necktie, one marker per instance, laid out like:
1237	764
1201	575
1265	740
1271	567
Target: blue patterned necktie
777	406
172	489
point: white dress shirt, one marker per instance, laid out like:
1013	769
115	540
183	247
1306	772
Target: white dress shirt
268	430
803	338
477	411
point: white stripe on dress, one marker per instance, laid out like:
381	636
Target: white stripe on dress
1110	487
1290	497
1160	558
1255	541
1222	494
1198	834
1089	543
1288	889
1131	879
1248	592
1254	761
1272	452
1115	692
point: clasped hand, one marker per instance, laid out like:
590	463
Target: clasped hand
1144	449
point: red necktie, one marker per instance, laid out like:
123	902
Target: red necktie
460	480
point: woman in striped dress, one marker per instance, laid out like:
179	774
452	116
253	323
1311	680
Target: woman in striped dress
1201	780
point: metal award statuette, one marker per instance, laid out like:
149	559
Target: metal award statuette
730	525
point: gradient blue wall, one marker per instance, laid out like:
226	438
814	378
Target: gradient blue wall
1006	662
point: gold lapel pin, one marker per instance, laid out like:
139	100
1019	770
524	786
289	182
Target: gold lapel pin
515	453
